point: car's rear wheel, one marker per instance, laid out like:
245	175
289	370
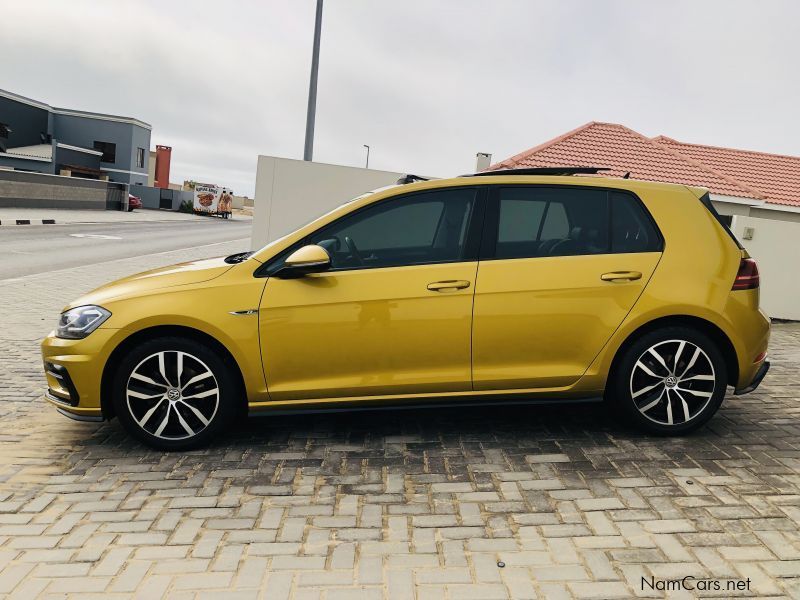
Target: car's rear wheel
670	380
173	393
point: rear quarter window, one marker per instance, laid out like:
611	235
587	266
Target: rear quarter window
632	229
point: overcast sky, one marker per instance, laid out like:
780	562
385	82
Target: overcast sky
426	83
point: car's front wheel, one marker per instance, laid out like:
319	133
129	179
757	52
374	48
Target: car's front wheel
670	381
173	393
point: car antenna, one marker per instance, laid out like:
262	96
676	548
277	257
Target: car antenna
627	175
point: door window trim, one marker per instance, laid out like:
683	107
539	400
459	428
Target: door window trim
472	242
491	219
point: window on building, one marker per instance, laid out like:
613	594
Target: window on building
4	132
109	150
140	157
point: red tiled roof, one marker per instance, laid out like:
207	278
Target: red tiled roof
769	177
776	176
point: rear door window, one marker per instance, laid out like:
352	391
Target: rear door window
547	221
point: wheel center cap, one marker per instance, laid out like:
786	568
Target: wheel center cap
173	394
671	381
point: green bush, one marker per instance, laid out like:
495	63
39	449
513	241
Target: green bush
187	206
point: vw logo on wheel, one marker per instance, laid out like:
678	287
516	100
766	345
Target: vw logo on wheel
671	381
173	394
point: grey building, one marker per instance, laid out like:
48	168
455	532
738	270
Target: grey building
37	137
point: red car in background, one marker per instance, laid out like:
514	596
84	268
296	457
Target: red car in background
134	202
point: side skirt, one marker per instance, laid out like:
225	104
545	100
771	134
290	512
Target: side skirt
262	411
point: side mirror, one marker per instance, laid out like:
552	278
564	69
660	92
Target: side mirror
305	260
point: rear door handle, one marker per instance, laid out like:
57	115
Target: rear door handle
621	276
451	284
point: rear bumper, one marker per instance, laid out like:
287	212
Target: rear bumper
760	374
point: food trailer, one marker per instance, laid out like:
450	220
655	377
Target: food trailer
210	199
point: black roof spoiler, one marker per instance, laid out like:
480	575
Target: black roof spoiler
541	171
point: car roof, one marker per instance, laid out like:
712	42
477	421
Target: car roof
561	180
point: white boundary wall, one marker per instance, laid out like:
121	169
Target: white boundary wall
291	193
776	248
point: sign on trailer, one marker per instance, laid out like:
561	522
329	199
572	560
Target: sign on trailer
206	197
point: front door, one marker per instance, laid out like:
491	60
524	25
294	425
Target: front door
392	316
560	270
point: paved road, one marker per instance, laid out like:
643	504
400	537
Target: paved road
417	505
27	250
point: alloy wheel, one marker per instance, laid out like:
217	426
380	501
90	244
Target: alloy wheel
172	395
672	382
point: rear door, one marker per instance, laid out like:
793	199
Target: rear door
560	269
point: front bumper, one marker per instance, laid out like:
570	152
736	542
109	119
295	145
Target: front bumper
759	377
62	390
74	369
78	414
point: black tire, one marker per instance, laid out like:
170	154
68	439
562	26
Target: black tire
696	391
179	412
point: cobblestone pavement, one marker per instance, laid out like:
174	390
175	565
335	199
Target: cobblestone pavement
408	504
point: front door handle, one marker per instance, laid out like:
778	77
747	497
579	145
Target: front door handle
621	276
451	284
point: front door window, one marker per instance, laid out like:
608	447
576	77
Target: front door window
424	228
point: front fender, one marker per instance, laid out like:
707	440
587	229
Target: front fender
207	308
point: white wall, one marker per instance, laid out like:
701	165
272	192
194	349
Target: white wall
776	248
290	193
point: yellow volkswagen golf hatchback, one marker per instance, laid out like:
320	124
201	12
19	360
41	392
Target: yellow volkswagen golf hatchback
519	285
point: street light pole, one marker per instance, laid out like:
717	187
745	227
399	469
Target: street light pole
308	151
367	147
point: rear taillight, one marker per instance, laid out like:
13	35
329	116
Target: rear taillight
747	278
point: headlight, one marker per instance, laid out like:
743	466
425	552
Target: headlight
78	322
